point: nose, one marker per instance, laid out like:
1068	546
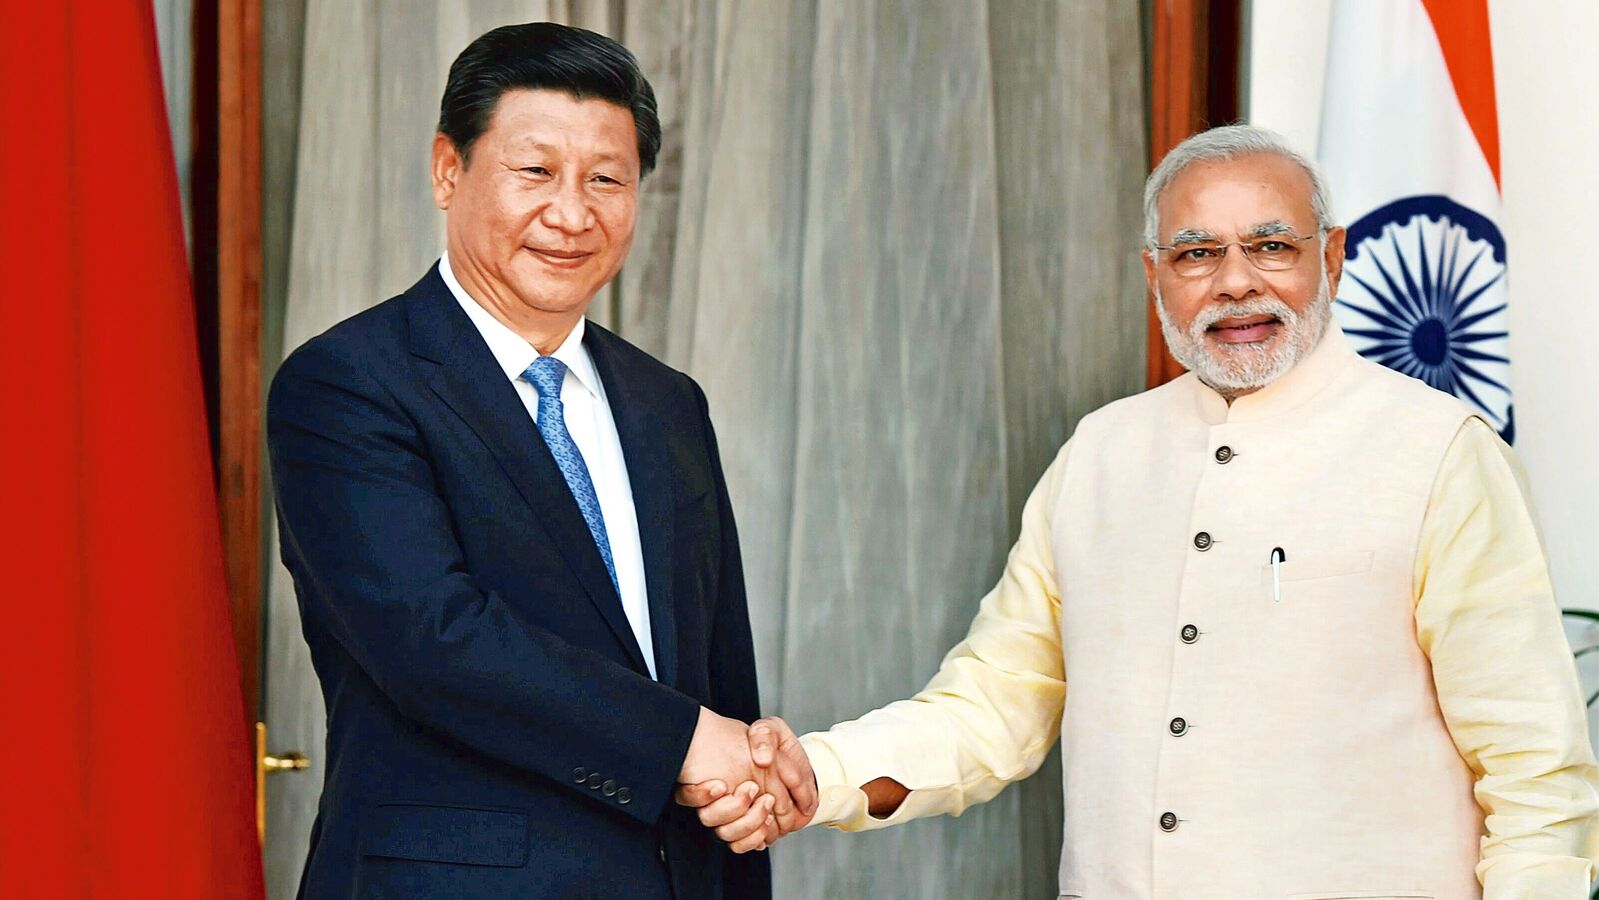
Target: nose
568	210
1236	277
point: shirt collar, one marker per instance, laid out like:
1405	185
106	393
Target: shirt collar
511	350
1305	380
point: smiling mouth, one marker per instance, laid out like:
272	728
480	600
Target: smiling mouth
1245	329
565	259
1246	322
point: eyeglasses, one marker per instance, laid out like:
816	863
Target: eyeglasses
1270	254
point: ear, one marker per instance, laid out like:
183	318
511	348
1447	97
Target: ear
447	167
1333	258
1149	269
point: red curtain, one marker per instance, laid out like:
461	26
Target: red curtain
125	769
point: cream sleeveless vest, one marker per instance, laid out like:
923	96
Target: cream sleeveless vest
1227	736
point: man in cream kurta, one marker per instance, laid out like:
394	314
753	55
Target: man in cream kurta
1289	613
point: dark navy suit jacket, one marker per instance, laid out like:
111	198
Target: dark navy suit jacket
492	727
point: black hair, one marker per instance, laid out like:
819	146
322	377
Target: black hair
553	57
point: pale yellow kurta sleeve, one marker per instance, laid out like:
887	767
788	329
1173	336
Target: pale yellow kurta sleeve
989	715
1507	685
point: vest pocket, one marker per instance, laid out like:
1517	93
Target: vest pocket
1320	565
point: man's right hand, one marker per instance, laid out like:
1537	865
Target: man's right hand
747	780
783	771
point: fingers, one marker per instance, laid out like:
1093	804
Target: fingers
781	799
793	767
782	803
748	832
697	796
793	820
764	738
731	808
797	776
786	810
763	742
760	840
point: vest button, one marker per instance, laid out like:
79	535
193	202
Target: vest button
1179	726
1202	541
1190	633
1224	454
1168	821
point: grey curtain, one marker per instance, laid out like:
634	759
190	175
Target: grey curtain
174	30
896	244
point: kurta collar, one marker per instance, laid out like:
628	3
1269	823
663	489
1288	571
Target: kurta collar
1303	381
513	353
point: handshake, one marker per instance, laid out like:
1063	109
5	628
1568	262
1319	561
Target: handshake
751	784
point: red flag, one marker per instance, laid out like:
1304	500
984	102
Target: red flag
125	769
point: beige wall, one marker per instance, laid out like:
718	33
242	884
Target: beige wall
1548	89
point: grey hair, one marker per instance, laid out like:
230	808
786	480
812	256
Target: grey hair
1224	143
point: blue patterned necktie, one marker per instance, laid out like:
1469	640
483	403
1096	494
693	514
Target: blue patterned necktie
546	374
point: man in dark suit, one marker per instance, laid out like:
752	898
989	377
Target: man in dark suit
510	536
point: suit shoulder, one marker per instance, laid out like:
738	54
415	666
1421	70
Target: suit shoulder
363	332
345	352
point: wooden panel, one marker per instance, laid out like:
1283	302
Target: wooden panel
238	273
1193	85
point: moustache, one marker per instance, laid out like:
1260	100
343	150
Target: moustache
1266	306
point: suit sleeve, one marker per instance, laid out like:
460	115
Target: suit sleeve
735	691
377	566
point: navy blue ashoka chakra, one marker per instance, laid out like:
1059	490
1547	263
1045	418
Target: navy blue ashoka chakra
1424	293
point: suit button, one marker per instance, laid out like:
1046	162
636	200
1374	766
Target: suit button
608	788
1190	633
1179	726
1202	541
624	796
595	779
580	774
1168	821
661	853
1224	454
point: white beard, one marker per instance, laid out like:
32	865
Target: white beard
1236	369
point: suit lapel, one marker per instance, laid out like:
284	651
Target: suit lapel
649	472
467	378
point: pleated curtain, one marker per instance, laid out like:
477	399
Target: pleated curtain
894	241
174	30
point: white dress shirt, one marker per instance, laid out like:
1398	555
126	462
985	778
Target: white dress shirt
589	420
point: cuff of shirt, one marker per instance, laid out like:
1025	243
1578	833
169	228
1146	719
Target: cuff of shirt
840	801
1533	876
843	805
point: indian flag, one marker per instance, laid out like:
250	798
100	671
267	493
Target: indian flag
1410	143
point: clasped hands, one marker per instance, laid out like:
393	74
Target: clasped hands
751	784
